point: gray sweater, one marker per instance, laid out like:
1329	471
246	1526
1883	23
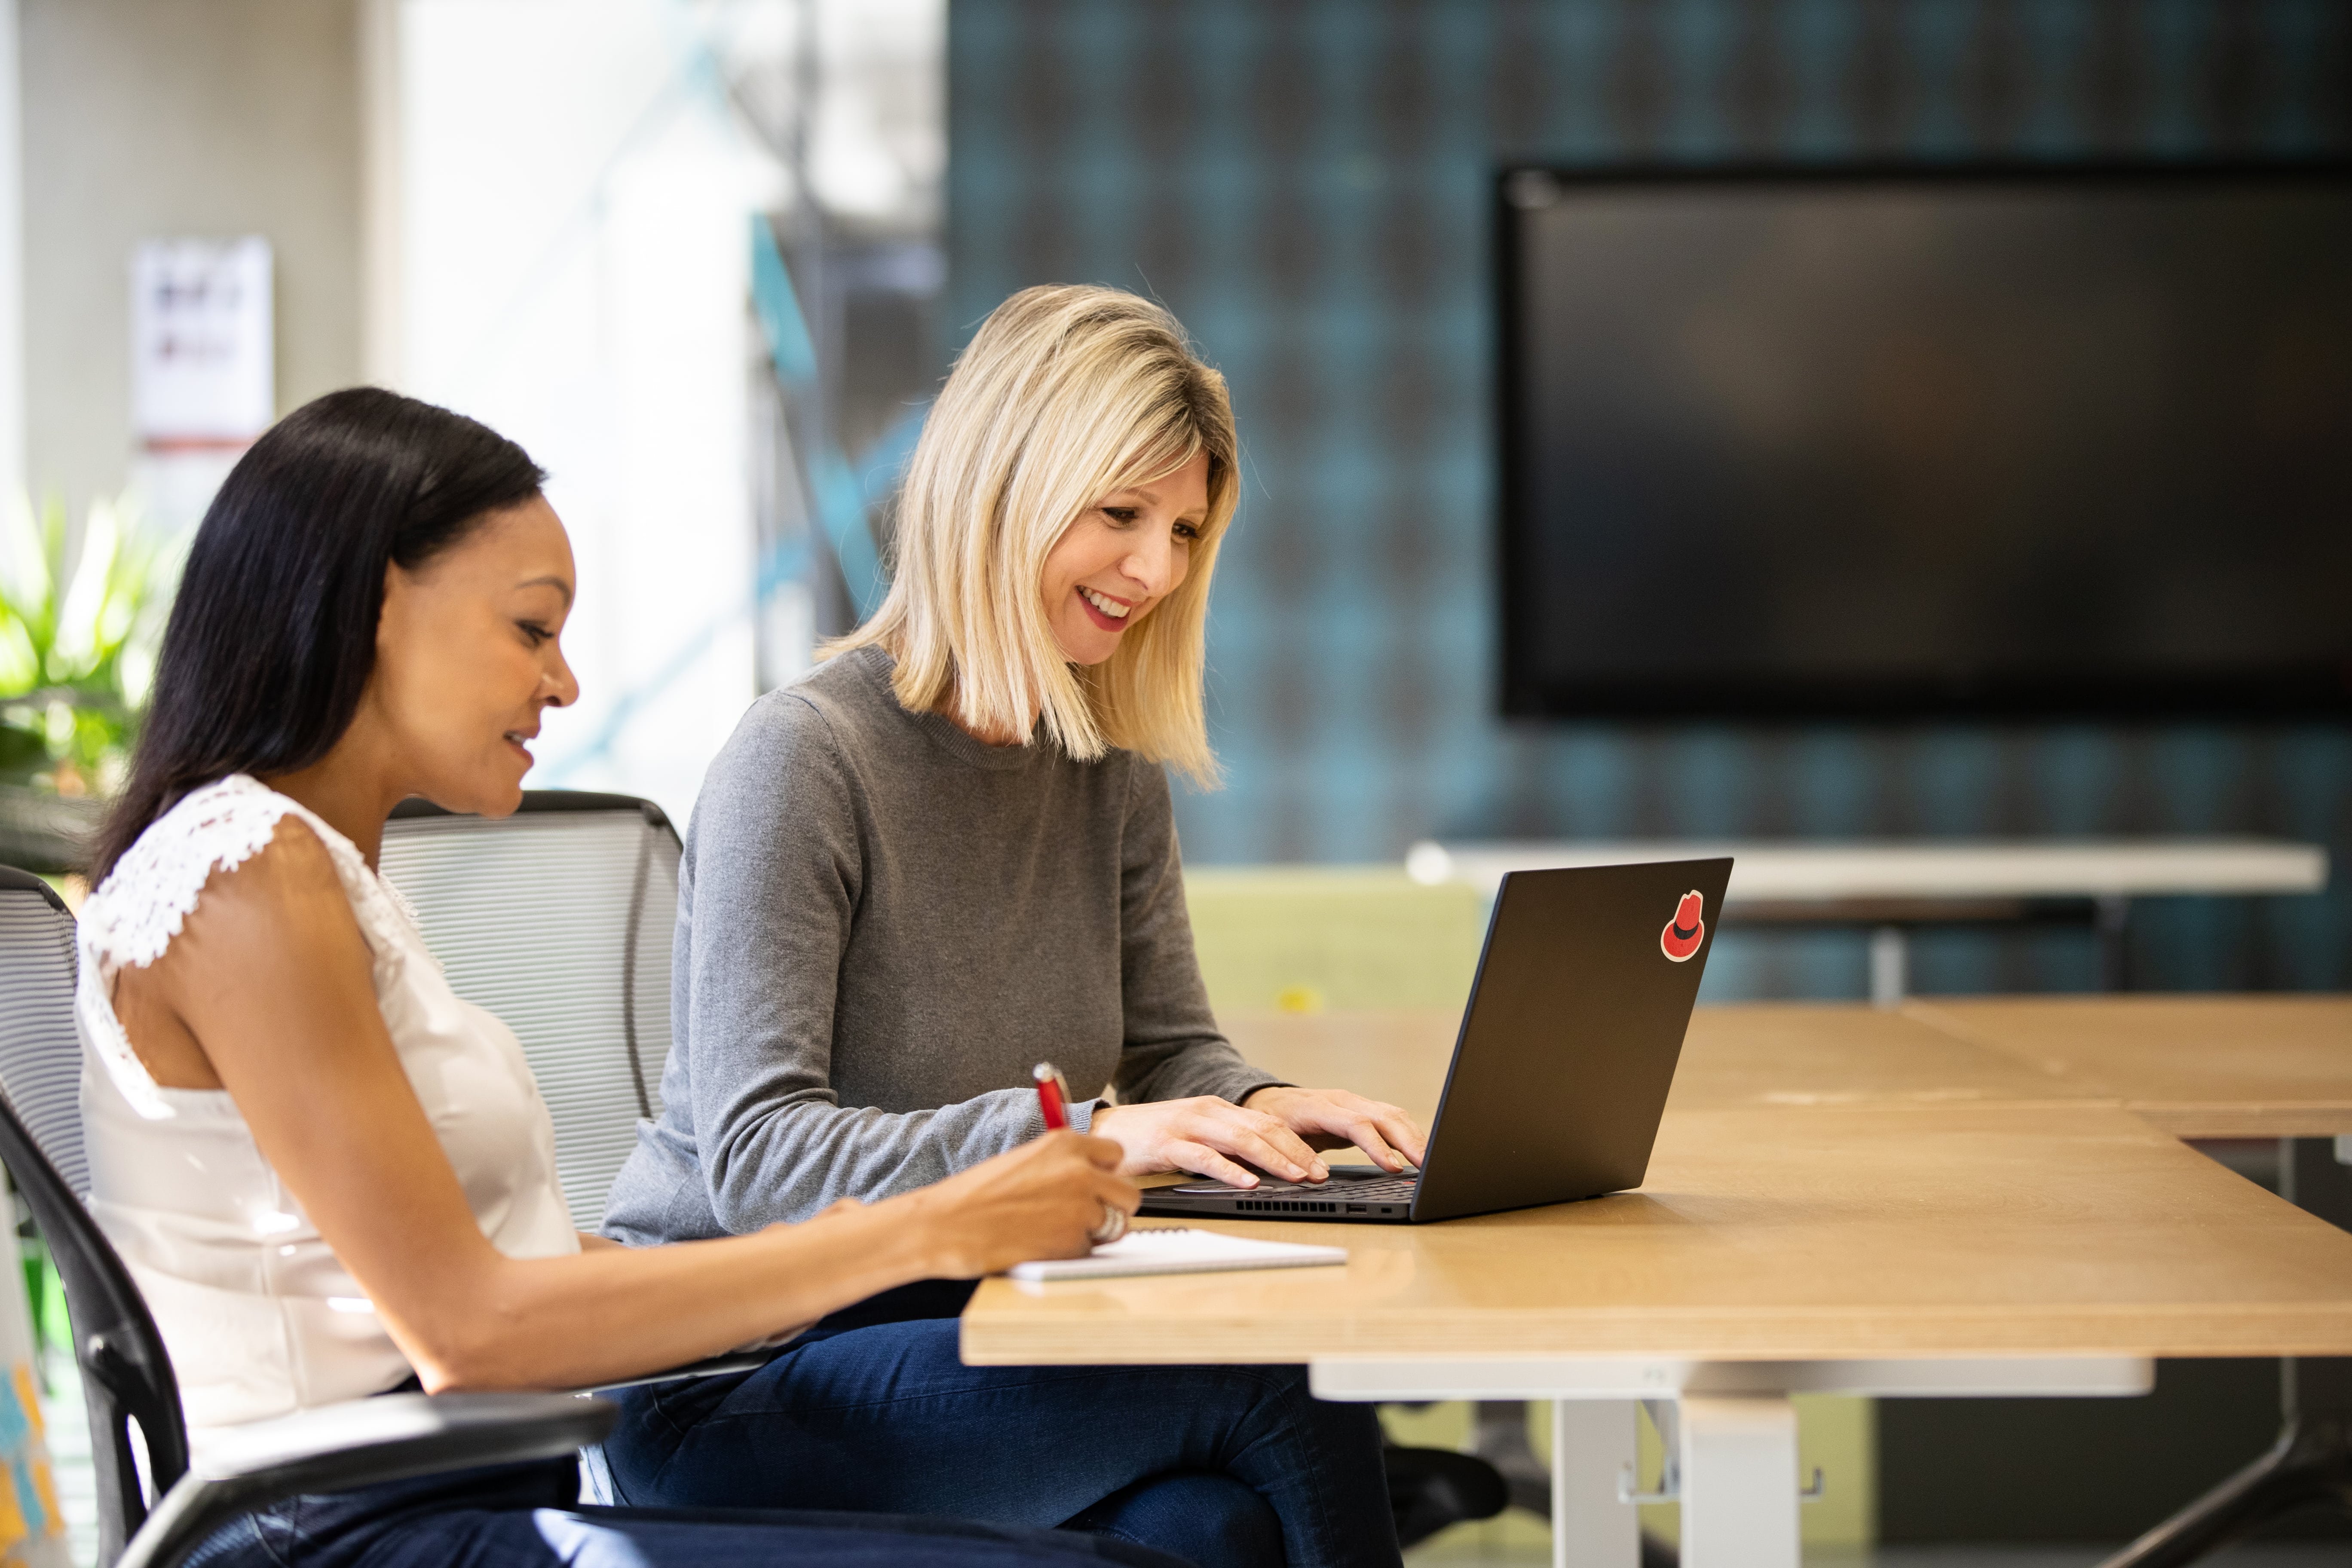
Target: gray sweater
882	925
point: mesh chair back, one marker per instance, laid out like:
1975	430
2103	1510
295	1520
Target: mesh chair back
558	918
40	1056
127	1376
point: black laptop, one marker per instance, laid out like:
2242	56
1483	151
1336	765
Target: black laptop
1560	1075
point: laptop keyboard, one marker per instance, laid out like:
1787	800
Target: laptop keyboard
1379	1189
1376	1189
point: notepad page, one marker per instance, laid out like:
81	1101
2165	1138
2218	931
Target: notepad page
1178	1249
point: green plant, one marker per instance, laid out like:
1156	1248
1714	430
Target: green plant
77	653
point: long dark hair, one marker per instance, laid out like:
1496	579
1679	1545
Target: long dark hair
272	637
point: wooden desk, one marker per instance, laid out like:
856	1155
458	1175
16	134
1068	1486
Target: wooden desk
1757	1057
1789	1055
2197	1066
1843	1199
1800	1235
1871	1249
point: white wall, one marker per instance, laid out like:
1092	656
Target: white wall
535	211
149	118
572	257
12	259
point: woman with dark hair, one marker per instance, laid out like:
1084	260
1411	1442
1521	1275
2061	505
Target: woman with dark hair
330	1177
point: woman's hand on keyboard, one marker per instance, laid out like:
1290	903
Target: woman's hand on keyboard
1207	1136
1334	1119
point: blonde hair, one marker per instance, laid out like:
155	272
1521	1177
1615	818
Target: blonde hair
1064	396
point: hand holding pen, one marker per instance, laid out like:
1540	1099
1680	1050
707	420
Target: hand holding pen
1053	1096
1054	1105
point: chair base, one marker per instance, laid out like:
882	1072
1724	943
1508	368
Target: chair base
2311	1463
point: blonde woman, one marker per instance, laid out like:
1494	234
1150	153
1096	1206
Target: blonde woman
948	854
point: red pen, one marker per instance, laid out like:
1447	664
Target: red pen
1053	1096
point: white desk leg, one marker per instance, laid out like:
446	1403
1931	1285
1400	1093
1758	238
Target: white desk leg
1593	1442
1738	1481
1890	966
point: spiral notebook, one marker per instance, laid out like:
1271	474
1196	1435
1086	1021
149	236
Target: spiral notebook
1178	1249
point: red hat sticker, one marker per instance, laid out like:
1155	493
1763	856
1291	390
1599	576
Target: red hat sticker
1686	930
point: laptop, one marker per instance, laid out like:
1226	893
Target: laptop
1560	1075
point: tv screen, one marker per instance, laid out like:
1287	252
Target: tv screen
1993	443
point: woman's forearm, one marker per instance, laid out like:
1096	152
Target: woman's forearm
767	1162
613	1313
483	1320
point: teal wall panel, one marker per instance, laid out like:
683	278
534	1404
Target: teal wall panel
1305	181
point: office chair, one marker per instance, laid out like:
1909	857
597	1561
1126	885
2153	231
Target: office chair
129	1387
557	920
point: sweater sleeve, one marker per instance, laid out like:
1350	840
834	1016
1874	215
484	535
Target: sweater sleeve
1173	1048
776	867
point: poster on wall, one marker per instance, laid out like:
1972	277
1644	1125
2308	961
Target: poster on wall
203	366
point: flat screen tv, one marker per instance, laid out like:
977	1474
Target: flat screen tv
1909	443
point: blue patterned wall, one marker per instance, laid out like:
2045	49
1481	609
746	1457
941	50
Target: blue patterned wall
1305	182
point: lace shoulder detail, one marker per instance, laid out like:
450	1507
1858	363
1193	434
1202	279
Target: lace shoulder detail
132	916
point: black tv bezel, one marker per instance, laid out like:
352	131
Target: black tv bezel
2304	692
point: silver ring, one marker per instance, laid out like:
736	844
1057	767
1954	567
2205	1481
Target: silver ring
1113	1227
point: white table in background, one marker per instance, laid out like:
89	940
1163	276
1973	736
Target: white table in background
1890	884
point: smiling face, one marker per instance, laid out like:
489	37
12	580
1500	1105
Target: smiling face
468	658
1123	555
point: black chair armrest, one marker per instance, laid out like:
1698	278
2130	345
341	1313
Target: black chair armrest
358	1443
710	1366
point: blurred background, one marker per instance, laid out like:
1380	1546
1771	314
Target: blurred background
707	260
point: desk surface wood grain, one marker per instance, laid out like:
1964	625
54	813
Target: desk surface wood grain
2197	1066
1757	1056
1798	1232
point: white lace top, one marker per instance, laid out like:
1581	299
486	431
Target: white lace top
259	1317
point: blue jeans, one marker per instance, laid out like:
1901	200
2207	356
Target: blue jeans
525	1516
886	1418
